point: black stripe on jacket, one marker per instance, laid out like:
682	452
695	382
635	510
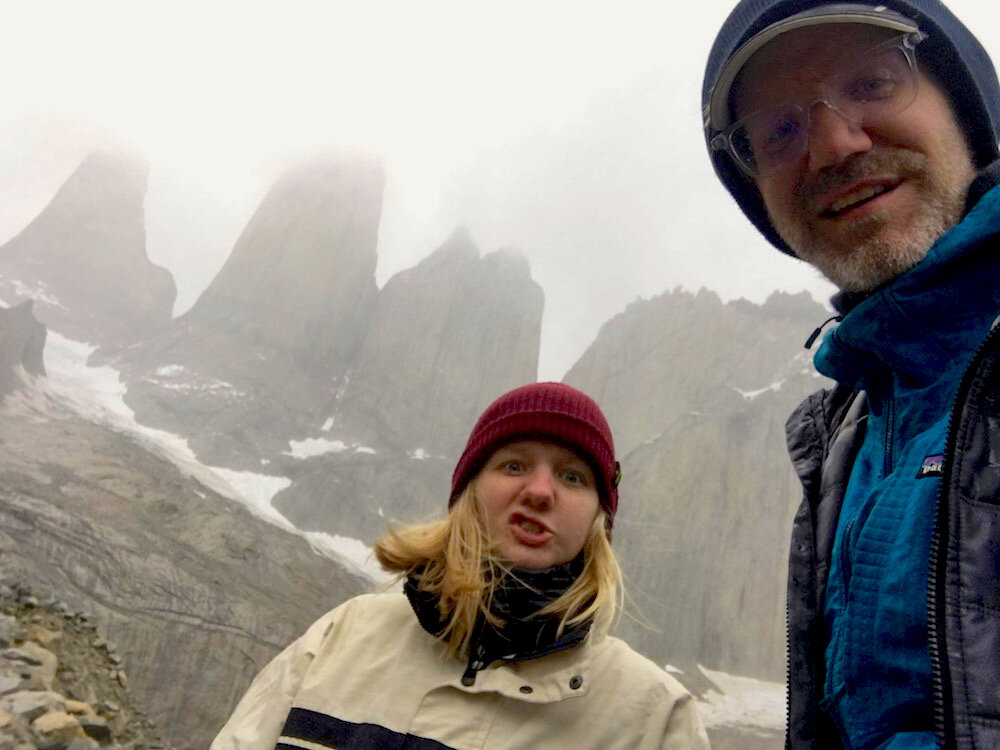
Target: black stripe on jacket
330	731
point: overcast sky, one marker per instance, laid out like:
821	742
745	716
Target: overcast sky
567	130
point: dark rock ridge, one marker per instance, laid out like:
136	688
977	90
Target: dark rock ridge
697	393
22	341
447	337
83	259
196	592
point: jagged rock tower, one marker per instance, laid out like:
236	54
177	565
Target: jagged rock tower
83	259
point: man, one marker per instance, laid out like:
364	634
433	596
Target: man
862	138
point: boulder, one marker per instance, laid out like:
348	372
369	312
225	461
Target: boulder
30	704
56	728
95	726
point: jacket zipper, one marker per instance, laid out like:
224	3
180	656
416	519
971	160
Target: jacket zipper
477	661
943	720
890	425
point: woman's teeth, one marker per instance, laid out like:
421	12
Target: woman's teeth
530	526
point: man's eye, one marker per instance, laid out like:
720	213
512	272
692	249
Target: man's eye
775	136
877	86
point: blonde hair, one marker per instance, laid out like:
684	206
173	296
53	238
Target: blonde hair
454	559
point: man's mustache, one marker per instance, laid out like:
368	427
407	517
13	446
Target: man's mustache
882	162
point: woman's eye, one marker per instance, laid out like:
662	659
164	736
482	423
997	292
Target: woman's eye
512	466
574	477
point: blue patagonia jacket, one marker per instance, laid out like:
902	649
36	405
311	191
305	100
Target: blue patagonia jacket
881	653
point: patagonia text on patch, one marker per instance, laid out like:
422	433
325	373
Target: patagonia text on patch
933	466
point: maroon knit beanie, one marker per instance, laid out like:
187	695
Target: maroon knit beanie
551	411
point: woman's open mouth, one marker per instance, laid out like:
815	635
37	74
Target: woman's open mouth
529	530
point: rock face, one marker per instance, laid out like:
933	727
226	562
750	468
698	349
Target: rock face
293	344
697	393
263	349
447	337
195	591
301	277
83	259
22	341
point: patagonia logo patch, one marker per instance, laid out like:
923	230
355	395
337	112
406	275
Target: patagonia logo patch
933	466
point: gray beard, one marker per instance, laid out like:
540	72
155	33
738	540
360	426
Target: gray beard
875	252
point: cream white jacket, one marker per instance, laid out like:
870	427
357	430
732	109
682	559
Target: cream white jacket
367	675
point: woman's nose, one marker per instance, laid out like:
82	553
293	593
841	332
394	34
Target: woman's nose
539	488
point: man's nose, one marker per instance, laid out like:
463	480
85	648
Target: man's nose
833	137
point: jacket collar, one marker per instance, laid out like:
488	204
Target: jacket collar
518	596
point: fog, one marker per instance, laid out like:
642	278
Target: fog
568	131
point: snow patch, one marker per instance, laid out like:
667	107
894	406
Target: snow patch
657	436
327	425
97	394
193	385
256	491
37	293
355	553
419	454
169	371
310	447
313	447
744	702
751	395
342	389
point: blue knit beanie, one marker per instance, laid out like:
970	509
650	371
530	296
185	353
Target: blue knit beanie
951	54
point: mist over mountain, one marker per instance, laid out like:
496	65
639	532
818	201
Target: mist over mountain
83	259
293	370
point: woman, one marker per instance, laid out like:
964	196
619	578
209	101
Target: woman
513	593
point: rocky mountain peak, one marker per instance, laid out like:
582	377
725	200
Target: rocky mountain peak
459	248
301	277
83	259
511	262
800	308
447	337
428	363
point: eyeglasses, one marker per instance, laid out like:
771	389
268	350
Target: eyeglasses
863	94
